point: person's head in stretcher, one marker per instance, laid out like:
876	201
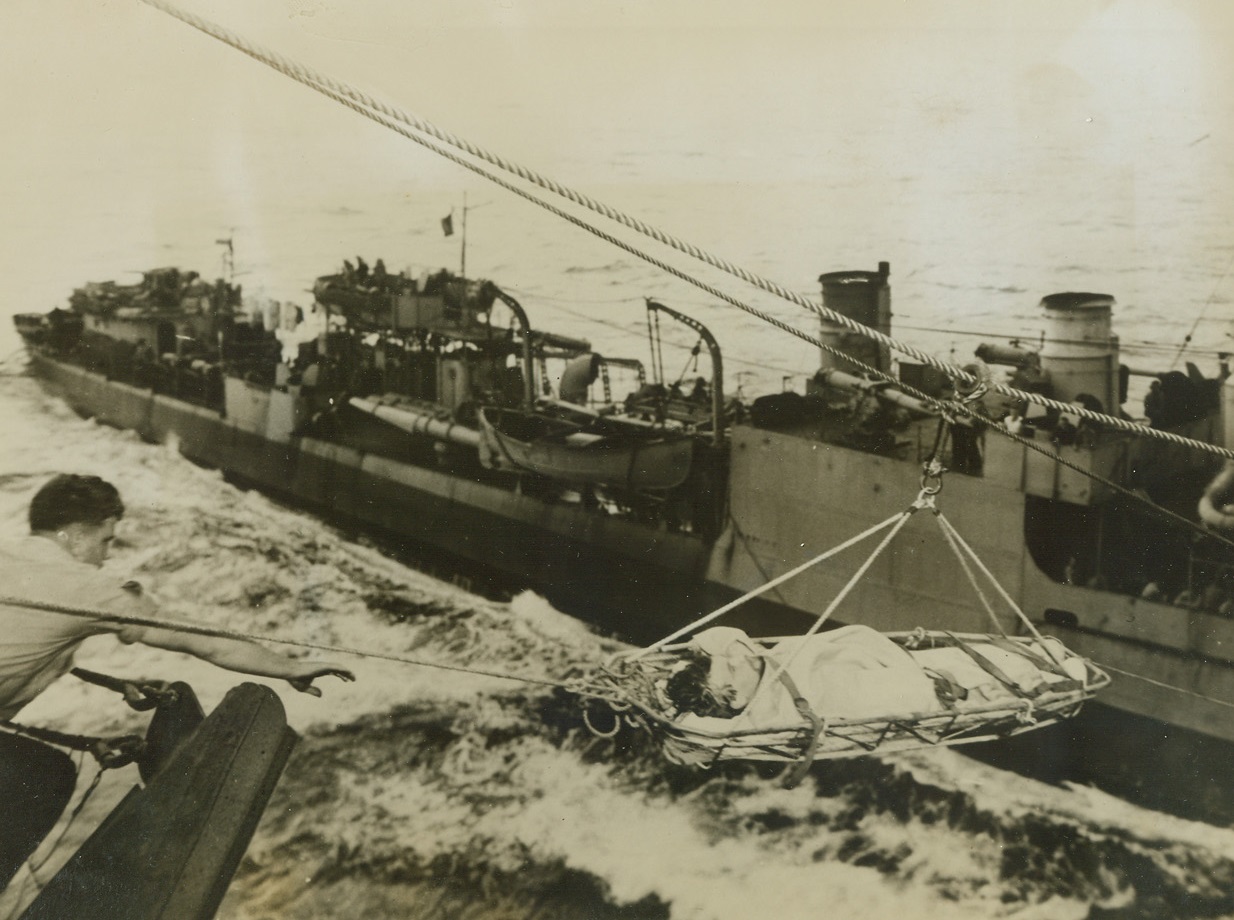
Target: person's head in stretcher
719	687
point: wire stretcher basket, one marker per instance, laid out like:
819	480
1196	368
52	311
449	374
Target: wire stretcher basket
1055	685
631	688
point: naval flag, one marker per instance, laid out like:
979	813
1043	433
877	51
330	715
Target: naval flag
447	224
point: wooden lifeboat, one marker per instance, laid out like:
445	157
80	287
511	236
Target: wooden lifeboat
602	452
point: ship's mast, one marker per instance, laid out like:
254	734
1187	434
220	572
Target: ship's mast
463	245
229	257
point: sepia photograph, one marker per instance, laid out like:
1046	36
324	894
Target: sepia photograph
633	461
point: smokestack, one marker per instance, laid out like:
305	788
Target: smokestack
866	298
1080	352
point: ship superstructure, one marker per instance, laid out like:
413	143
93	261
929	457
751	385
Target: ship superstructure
417	412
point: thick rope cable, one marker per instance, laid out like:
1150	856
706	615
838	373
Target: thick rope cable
394	119
957	373
217	632
767	586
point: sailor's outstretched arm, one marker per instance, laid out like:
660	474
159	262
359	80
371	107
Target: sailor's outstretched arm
241	655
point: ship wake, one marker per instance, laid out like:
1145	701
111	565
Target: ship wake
501	806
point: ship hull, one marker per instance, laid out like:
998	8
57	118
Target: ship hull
791	498
628	578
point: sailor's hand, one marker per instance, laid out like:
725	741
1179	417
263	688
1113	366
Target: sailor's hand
146	694
311	670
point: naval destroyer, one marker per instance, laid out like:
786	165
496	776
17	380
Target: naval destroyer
431	410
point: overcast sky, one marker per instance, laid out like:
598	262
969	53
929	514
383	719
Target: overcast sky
116	109
564	70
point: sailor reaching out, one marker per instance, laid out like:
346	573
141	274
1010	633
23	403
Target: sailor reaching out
72	524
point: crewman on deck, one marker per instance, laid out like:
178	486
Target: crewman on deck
72	524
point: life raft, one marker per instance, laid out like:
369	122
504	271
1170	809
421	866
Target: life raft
631	687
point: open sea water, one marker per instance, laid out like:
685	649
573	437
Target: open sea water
990	165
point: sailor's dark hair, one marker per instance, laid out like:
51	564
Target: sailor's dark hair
687	687
71	499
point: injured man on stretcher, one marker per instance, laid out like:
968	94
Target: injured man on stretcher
729	682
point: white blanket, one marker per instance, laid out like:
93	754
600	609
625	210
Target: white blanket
849	673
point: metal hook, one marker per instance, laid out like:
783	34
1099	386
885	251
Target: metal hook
932	476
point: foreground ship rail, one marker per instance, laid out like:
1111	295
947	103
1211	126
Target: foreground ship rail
169	849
